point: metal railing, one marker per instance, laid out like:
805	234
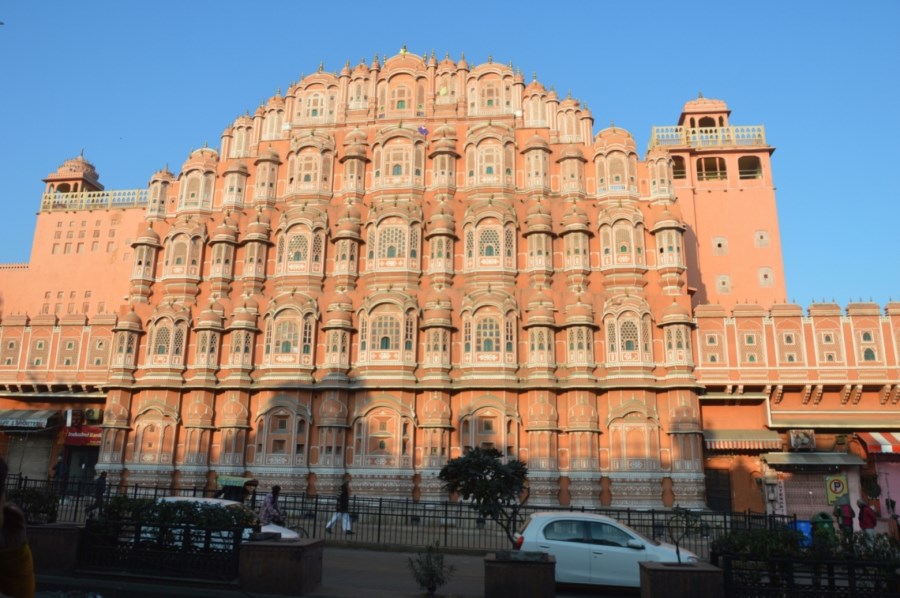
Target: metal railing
404	522
806	576
160	550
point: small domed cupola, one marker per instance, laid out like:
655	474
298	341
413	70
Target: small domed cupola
75	175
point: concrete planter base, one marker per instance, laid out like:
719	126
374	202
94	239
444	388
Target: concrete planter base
513	574
681	580
54	547
264	567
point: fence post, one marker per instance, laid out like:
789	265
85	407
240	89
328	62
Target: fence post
446	520
378	526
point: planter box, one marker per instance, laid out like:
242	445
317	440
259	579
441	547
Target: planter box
514	574
54	547
282	568
681	580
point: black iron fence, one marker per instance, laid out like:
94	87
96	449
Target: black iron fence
398	522
160	550
748	577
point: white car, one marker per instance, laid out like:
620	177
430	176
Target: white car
286	533
594	549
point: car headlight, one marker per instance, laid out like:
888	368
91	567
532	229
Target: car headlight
693	559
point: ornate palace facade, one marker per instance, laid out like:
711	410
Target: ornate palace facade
386	266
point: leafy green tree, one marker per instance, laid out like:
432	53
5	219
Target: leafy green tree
492	486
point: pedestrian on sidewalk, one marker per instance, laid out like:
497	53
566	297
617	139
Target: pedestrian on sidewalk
16	563
99	494
270	511
342	511
867	518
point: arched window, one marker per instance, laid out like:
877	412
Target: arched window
679	171
711	169
868	355
286	337
386	332
489	243
749	167
163	335
487	336
391	242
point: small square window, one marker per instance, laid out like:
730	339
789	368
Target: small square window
827	339
713	359
829	357
788	339
750	339
711	339
791	358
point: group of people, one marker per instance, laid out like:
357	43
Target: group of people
845	514
271	512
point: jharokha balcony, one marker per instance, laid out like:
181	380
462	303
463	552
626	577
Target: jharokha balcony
670	136
94	200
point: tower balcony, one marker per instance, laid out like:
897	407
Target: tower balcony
94	200
700	137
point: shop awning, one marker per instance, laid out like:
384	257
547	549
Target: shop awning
811	459
881	442
27	418
718	440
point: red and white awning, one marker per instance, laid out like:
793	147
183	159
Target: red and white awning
881	442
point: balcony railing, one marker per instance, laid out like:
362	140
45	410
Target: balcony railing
672	136
94	200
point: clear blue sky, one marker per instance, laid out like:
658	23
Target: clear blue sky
137	85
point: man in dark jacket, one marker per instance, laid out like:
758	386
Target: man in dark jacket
99	494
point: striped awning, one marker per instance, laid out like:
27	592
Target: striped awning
881	442
32	419
753	440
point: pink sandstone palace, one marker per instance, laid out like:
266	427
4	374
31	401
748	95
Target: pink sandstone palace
387	266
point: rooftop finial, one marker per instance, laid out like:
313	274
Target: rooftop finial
321	66
700	95
403	49
490	59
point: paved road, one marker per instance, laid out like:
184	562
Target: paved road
346	573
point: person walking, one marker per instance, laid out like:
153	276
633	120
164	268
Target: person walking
342	511
844	514
867	518
99	494
60	474
16	563
270	511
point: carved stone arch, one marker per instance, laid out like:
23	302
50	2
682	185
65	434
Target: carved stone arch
282	401
189	228
384	401
296	301
391	132
321	142
311	217
489	401
501	300
478	134
616	306
403	301
155	407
